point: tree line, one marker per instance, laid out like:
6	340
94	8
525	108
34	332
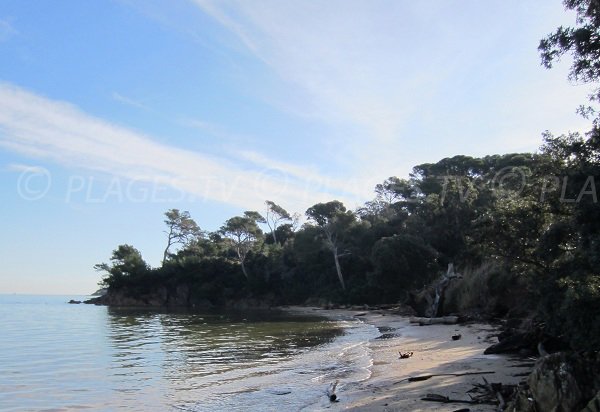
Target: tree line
473	212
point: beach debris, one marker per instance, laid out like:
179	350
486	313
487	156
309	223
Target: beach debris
279	391
426	377
331	392
433	397
457	336
445	320
492	392
497	393
405	355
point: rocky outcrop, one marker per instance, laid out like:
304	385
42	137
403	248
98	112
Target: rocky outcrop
179	296
514	343
561	382
159	297
525	341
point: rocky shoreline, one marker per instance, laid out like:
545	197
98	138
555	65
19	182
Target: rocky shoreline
179	297
458	371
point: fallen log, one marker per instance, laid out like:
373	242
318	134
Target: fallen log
433	397
445	320
426	377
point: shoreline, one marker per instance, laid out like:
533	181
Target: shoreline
434	353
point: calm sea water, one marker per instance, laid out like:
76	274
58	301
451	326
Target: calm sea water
60	357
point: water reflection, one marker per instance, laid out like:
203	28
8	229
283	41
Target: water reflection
185	356
55	356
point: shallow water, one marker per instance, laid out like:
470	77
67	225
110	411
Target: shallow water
59	357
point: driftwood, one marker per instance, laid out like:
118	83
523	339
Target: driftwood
426	377
446	320
331	392
433	397
497	394
493	392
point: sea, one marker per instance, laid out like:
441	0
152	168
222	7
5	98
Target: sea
56	356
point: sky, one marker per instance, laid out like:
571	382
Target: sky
112	112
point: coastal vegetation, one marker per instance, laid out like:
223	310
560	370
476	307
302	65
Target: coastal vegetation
523	230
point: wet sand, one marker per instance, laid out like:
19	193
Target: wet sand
434	352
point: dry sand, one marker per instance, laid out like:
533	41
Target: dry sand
434	353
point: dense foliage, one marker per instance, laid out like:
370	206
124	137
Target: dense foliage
523	228
533	217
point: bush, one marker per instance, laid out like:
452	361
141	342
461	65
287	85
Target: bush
401	263
487	290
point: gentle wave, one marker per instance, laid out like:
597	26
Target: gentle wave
60	357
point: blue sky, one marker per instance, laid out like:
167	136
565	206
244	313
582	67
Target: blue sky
112	112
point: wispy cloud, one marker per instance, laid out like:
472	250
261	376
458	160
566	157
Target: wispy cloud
42	128
389	76
6	30
18	167
128	101
350	61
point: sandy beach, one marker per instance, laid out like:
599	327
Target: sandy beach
434	352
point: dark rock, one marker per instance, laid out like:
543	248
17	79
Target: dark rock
514	343
74	302
525	343
554	385
100	292
388	336
522	401
560	382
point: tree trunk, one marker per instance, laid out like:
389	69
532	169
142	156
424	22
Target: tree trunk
169	243
165	254
244	268
338	268
440	289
